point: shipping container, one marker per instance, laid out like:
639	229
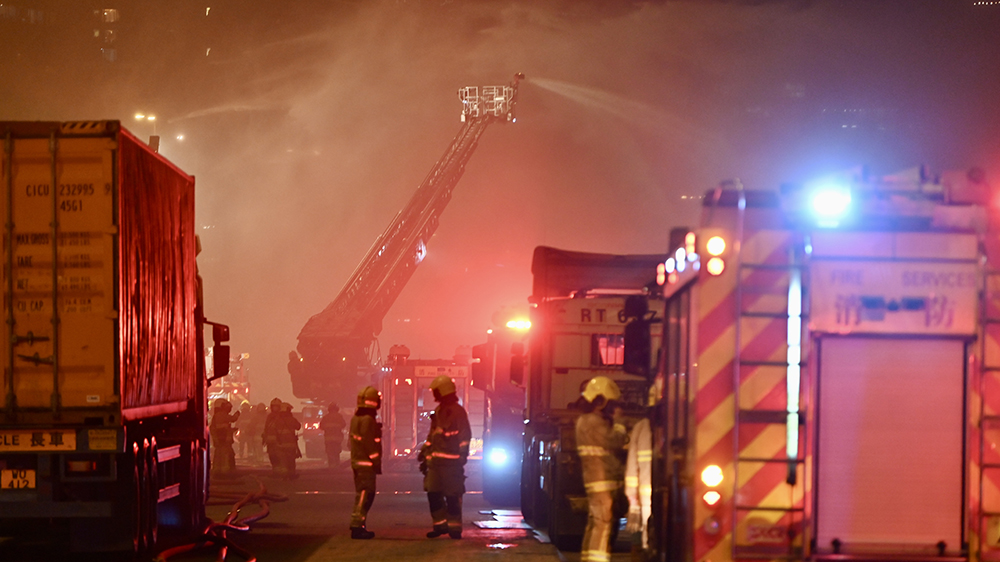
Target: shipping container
103	421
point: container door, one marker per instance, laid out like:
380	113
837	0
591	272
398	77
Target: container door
889	456
59	295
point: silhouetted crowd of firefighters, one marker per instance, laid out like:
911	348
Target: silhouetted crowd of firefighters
600	439
251	431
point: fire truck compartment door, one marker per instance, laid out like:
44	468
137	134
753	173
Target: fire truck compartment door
889	444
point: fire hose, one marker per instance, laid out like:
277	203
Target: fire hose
214	534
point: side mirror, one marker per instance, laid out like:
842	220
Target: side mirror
517	364
220	361
220	353
482	370
638	348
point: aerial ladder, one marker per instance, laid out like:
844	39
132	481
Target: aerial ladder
339	345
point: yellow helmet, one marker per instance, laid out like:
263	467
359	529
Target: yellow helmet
369	397
601	386
222	404
443	385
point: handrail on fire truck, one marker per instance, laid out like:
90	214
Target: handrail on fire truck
341	340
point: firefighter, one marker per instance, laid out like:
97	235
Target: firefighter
269	435
366	458
333	426
242	435
221	432
600	436
258	415
287	441
638	475
443	458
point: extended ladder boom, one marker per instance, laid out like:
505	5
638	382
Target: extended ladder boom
339	340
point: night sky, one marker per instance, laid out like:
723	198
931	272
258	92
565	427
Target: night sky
309	124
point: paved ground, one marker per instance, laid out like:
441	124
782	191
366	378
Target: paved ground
312	526
310	522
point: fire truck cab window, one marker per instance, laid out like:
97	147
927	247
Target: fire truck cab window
607	349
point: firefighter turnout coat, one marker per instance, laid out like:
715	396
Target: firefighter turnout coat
447	448
366	441
598	441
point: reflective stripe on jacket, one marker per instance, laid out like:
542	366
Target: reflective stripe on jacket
448	440
597	442
366	440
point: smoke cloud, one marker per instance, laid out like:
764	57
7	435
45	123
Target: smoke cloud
309	124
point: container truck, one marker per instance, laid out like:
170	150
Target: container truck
103	418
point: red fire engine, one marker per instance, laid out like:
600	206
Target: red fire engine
831	374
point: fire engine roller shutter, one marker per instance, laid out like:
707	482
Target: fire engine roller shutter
890	433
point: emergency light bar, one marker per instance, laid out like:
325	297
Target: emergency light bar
912	199
685	262
831	204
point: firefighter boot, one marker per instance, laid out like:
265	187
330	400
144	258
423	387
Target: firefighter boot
437	531
361	533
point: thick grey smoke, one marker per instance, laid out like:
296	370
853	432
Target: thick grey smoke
308	125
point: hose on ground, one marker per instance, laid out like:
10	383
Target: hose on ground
214	534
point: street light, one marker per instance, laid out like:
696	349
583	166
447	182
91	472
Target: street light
147	118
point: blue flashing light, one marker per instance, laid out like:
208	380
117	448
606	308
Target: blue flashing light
830	204
497	456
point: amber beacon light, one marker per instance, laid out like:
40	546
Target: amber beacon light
715	247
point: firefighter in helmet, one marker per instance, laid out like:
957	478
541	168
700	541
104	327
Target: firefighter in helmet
639	472
443	458
366	458
221	431
286	442
269	435
333	426
600	436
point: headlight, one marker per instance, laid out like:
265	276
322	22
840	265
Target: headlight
498	456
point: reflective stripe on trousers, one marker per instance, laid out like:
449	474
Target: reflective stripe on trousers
446	510
596	545
364	487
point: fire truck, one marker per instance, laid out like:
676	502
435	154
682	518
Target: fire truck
830	367
408	402
578	319
338	348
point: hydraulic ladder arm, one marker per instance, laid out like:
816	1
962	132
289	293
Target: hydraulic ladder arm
339	343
